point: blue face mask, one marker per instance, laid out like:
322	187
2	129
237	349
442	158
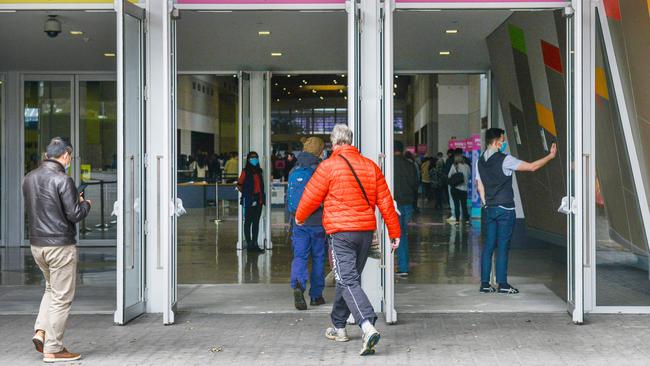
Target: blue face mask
254	161
503	147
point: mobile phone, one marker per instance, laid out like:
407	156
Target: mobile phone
82	188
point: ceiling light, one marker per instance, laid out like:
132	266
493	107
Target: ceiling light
76	33
277	100
234	75
284	89
299	99
321	98
313	91
342	75
304	81
394	94
341	91
276	54
300	86
335	82
109	54
288	93
451	31
264	33
276	84
445	53
346	98
395	86
288	75
396	76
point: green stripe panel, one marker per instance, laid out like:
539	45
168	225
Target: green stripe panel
517	38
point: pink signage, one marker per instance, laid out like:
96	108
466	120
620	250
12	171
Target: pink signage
478	1
245	2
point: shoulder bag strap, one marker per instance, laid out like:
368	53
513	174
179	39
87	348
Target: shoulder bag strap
357	179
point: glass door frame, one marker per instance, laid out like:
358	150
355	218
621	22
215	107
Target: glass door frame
575	308
598	15
124	313
3	159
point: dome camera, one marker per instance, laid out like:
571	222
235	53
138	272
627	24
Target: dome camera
52	26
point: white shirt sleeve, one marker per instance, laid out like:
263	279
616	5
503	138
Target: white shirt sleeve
510	165
478	175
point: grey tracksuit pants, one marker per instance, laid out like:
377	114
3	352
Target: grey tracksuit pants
350	253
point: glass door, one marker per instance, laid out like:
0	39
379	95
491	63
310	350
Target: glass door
573	205
131	163
244	141
170	268
47	112
388	277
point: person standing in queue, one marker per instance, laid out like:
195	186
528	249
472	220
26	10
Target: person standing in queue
350	186
458	177
494	183
308	240
251	186
54	207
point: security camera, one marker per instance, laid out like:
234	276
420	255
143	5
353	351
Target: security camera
52	26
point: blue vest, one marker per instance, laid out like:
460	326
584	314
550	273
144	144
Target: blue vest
498	186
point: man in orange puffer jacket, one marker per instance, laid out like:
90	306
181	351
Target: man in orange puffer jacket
350	186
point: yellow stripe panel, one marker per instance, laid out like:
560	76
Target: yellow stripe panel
545	119
601	83
648	7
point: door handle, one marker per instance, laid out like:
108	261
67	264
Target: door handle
133	211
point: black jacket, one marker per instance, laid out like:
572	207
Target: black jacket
406	181
52	205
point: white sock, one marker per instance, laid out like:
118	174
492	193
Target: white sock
366	326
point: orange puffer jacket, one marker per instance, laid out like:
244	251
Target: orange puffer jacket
345	208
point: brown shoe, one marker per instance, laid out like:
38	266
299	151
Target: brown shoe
63	356
39	339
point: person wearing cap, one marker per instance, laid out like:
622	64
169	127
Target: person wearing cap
308	240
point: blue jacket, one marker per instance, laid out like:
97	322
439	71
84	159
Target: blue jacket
306	159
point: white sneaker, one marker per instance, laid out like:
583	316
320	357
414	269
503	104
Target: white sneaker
339	335
451	220
370	340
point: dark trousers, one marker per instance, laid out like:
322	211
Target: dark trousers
252	221
441	197
460	203
350	252
500	224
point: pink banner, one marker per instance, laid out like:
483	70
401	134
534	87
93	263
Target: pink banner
245	2
478	1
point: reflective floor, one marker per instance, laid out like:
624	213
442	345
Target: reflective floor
444	272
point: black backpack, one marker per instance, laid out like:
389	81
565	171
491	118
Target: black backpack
456	179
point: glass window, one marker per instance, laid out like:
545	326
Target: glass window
98	156
47	110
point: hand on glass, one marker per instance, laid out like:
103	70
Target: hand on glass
553	151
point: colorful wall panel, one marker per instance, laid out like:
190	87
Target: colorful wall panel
527	54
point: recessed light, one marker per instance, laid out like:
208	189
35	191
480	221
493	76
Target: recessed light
276	84
321	98
277	100
288	93
346	98
395	86
109	54
314	91
76	33
264	33
300	86
445	53
234	75
276	54
288	75
284	89
341	91
300	99
451	31
304	81
342	75
335	82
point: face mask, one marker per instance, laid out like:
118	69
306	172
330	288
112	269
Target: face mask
254	161
503	147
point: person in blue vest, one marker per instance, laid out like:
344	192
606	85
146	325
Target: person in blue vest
308	239
494	182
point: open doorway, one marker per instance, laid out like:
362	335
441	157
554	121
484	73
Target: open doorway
47	93
266	89
482	69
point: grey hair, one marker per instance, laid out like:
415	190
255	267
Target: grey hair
57	147
341	135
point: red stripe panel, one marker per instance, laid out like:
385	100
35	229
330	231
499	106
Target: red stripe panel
612	9
552	57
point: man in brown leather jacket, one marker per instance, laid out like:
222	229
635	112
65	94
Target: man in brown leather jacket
53	208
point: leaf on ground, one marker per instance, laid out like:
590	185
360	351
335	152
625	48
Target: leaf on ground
216	349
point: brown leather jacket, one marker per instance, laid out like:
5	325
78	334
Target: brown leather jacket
52	205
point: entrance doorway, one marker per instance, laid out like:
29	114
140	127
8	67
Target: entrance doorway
46	93
269	88
475	75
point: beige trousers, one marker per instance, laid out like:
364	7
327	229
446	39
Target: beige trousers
59	267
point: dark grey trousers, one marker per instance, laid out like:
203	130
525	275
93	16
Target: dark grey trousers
350	253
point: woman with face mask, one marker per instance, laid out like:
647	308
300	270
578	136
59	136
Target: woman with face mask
251	186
